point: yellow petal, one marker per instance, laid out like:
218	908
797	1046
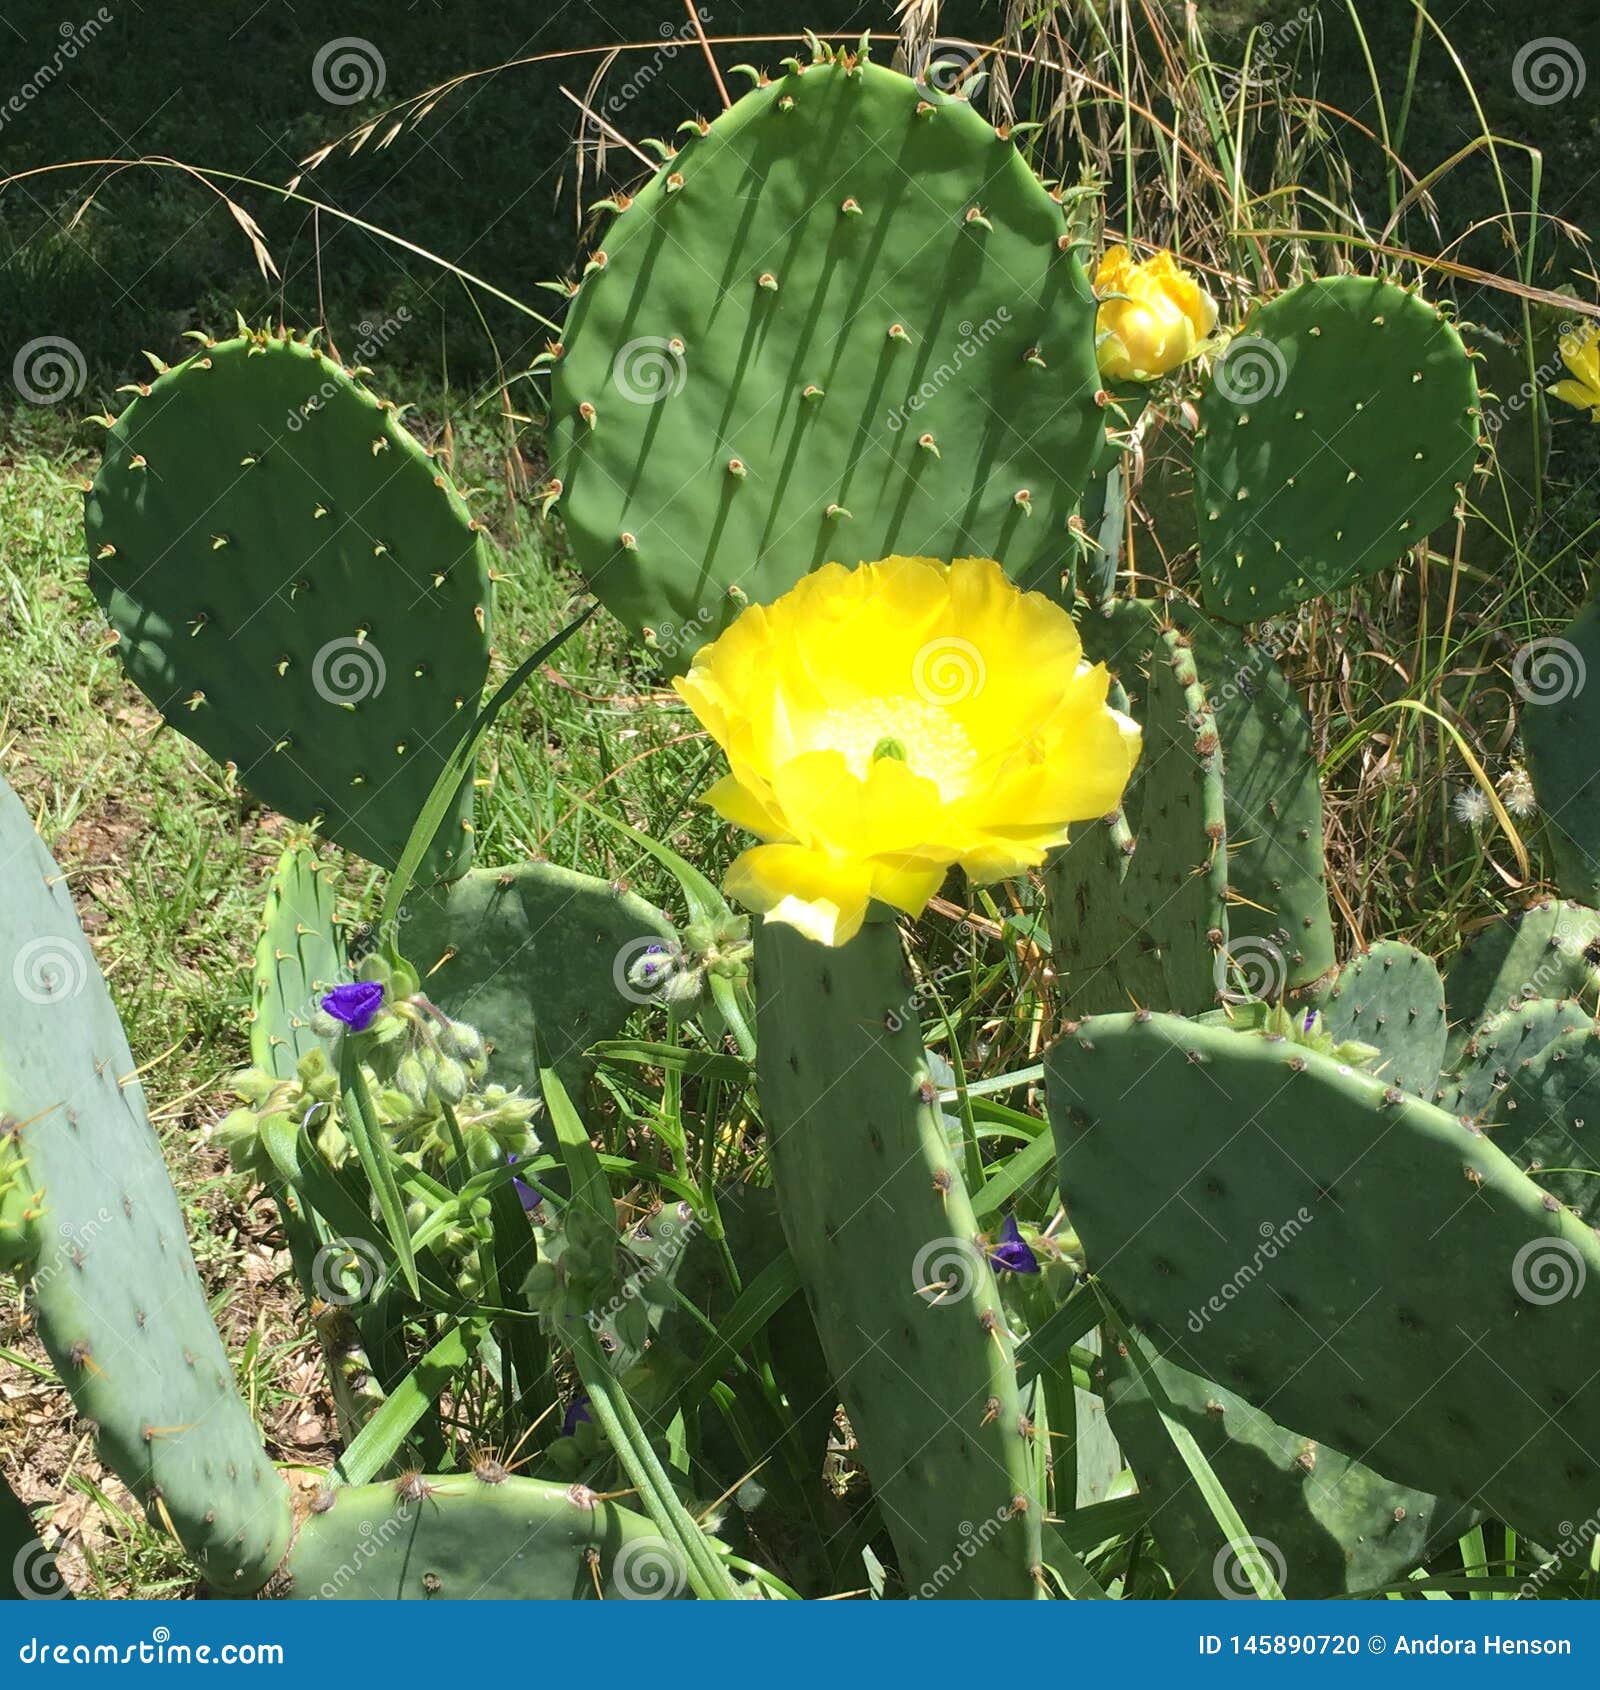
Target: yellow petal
825	897
747	805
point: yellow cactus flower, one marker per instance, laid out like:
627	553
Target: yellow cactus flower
884	722
1160	322
1580	351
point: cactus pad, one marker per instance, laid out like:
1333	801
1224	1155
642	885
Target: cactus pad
1558	679
298	957
111	1281
1547	1120
1392	997
1417	1302
1136	900
1500	1044
534	946
295	587
882	1231
1337	1526
1549	950
844	321
492	1537
1340	427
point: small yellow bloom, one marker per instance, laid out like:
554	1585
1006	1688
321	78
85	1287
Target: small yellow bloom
884	722
1580	350
1158	326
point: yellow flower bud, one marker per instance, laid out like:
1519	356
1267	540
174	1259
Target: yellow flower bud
1159	322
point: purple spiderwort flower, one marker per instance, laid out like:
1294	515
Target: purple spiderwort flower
530	1195
1011	1253
355	1003
577	1410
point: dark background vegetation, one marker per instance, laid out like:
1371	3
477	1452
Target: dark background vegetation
487	178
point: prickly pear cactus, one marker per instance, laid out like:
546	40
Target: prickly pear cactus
1136	901
296	587
1391	997
1558	680
1549	950
1340	427
844	320
881	1228
536	948
1498	1046
481	1534
89	1219
1547	1120
299	957
1329	1525
1363	1264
